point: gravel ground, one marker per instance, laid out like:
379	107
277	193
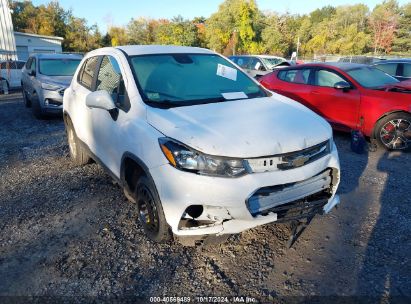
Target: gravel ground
69	231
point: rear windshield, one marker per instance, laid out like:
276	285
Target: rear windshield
58	67
189	79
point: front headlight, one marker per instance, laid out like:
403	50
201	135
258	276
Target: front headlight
187	159
49	86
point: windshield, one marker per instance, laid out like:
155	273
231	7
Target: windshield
58	67
370	77
272	62
189	79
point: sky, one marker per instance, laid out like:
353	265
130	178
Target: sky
120	12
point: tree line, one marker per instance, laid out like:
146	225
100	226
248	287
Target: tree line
238	27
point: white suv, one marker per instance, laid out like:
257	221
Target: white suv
199	146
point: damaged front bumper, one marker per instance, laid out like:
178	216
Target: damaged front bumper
196	205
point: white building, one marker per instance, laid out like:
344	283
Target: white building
16	45
7	43
31	43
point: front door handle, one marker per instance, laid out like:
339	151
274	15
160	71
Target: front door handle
315	92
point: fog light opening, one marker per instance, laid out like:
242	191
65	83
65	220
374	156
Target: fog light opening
195	211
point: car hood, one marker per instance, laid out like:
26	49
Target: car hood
63	81
243	128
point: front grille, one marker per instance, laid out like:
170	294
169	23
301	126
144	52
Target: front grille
289	160
293	199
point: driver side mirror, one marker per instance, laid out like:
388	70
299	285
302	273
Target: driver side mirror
100	100
32	73
342	85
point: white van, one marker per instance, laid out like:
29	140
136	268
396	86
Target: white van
10	71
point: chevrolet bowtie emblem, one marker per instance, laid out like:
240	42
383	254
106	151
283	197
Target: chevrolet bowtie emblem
299	161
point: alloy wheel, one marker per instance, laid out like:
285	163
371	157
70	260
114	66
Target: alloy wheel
396	134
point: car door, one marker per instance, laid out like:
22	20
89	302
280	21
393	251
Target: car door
107	126
294	83
77	93
30	76
339	106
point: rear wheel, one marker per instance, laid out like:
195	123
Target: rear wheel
394	131
150	211
7	89
77	152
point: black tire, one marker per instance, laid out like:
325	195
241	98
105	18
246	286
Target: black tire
150	211
7	85
393	131
77	153
36	108
26	99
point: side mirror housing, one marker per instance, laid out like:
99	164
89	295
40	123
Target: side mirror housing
342	85
32	73
100	100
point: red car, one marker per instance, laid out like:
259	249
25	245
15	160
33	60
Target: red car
351	97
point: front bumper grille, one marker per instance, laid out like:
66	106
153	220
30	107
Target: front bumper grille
290	160
293	200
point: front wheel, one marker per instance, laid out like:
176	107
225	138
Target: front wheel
394	131
38	112
26	99
150	211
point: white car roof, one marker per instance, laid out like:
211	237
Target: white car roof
133	50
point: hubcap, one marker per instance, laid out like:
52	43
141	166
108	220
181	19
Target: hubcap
147	210
396	134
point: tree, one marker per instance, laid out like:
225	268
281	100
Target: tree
142	31
178	31
383	22
118	36
235	20
273	39
402	42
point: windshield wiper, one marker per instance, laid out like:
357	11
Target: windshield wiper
165	104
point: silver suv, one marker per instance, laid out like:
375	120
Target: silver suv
44	80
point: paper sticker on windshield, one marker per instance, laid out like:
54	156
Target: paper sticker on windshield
153	96
234	95
226	72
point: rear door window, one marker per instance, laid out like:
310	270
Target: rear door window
20	65
299	76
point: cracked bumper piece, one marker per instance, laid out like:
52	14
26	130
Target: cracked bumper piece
196	205
52	101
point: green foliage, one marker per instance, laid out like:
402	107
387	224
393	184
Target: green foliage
237	27
402	42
